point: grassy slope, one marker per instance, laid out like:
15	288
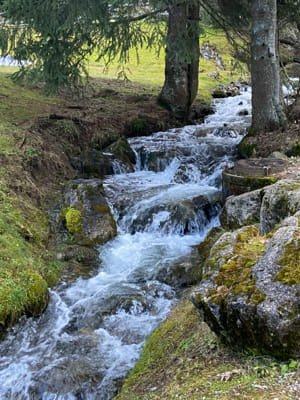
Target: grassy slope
25	268
182	359
150	68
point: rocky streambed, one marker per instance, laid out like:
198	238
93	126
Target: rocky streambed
94	328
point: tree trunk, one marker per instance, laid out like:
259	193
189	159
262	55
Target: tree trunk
182	59
267	102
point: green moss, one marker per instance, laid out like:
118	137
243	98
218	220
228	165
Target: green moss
25	292
51	272
149	68
26	268
235	274
290	262
246	150
73	220
294	151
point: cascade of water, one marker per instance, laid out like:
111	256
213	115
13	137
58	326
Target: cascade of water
93	330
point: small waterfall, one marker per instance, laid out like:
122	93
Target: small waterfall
94	329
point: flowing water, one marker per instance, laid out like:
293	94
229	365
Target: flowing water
94	329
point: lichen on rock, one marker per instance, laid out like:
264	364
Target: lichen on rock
251	292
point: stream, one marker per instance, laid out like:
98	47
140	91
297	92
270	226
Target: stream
93	330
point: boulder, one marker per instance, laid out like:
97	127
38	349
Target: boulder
86	214
242	210
144	125
250	294
122	151
95	164
279	201
267	206
80	261
115	158
184	272
226	91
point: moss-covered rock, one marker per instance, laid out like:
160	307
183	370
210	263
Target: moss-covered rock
144	125
86	214
247	148
290	262
184	360
250	294
122	152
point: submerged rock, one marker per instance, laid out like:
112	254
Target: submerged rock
182	217
86	214
250	294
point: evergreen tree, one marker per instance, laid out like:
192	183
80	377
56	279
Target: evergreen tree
58	36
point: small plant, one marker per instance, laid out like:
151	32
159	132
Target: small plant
31	152
66	127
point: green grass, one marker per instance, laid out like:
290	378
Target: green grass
149	70
26	268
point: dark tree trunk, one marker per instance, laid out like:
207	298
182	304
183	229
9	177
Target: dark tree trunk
182	59
267	102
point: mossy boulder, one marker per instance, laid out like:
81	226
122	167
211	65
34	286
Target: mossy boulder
122	152
26	293
144	125
250	294
86	214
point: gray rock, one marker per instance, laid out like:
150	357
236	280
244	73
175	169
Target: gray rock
267	206
278	155
122	151
279	201
184	272
251	292
242	210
